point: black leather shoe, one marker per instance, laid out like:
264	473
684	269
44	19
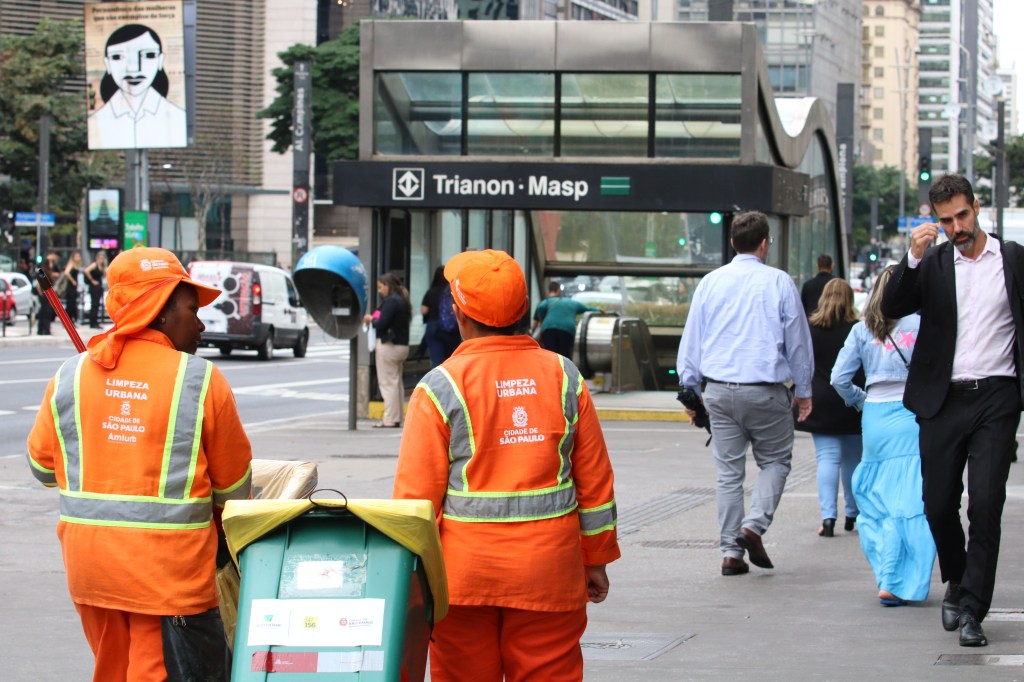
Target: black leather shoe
828	528
733	566
850	520
951	608
971	633
751	541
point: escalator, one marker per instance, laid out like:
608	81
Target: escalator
619	354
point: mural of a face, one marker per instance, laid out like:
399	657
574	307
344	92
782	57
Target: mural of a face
134	64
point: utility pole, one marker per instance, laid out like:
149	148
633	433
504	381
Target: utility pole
44	181
900	81
999	188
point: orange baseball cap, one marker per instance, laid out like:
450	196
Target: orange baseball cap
489	286
141	281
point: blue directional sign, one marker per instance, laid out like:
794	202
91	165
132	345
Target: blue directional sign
908	223
24	219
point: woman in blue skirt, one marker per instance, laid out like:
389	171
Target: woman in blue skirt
887	485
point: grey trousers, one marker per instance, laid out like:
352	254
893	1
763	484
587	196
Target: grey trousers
759	416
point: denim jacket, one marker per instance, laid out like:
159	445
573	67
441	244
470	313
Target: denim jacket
880	361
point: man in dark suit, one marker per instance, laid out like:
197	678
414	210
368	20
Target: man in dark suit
965	388
812	288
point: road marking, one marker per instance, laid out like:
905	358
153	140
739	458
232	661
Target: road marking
287	390
5	382
273	423
4	413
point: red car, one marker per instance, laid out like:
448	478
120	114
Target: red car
7	308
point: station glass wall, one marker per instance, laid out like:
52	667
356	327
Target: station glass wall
637	115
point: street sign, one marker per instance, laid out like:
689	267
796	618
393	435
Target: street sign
908	223
24	219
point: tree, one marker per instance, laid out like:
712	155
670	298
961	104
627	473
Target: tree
34	71
883	183
1015	176
335	97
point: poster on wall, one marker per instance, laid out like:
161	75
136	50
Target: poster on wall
135	75
136	229
104	219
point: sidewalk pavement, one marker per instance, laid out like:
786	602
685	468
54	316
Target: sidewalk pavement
23	334
670	614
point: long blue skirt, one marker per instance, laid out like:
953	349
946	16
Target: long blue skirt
887	485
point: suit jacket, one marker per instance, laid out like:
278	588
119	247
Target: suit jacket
811	291
931	290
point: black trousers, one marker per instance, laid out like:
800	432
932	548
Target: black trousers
975	429
558	341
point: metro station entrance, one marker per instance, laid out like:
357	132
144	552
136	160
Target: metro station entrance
616	172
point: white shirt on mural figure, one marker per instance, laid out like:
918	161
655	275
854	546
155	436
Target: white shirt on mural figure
136	115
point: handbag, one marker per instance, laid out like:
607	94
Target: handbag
61	287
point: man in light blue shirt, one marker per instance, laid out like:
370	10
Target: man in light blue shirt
746	334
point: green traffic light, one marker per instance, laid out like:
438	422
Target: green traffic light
716	218
873	257
682	241
925	176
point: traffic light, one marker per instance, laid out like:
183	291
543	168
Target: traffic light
873	256
682	241
924	168
716	218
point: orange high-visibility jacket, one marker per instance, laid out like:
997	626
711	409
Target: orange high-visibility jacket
504	440
143	455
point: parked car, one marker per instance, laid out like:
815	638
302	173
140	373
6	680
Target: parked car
259	309
7	309
25	302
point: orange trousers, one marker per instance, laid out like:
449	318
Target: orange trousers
128	647
491	643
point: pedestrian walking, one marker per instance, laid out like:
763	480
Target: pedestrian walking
94	274
442	332
834	427
556	317
144	442
70	284
391	323
504	440
965	387
51	268
812	288
892	526
745	336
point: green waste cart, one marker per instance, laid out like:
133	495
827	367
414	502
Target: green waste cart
334	590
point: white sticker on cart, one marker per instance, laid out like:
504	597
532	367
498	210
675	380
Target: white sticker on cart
268	621
317	622
319	575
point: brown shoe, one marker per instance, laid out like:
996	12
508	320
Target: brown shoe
733	566
751	541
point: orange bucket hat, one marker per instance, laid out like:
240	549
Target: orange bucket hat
141	281
489	286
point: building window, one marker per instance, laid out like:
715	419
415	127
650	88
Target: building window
876	134
604	114
879	72
879	113
879	52
697	115
879	31
511	113
879	11
879	93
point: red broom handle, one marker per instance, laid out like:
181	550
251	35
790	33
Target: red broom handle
51	296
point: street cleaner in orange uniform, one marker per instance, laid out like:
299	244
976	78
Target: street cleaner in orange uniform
503	438
144	442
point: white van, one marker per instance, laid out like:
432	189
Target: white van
259	309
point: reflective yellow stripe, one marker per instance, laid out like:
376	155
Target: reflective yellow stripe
238	491
172	508
597	520
45	476
461	502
